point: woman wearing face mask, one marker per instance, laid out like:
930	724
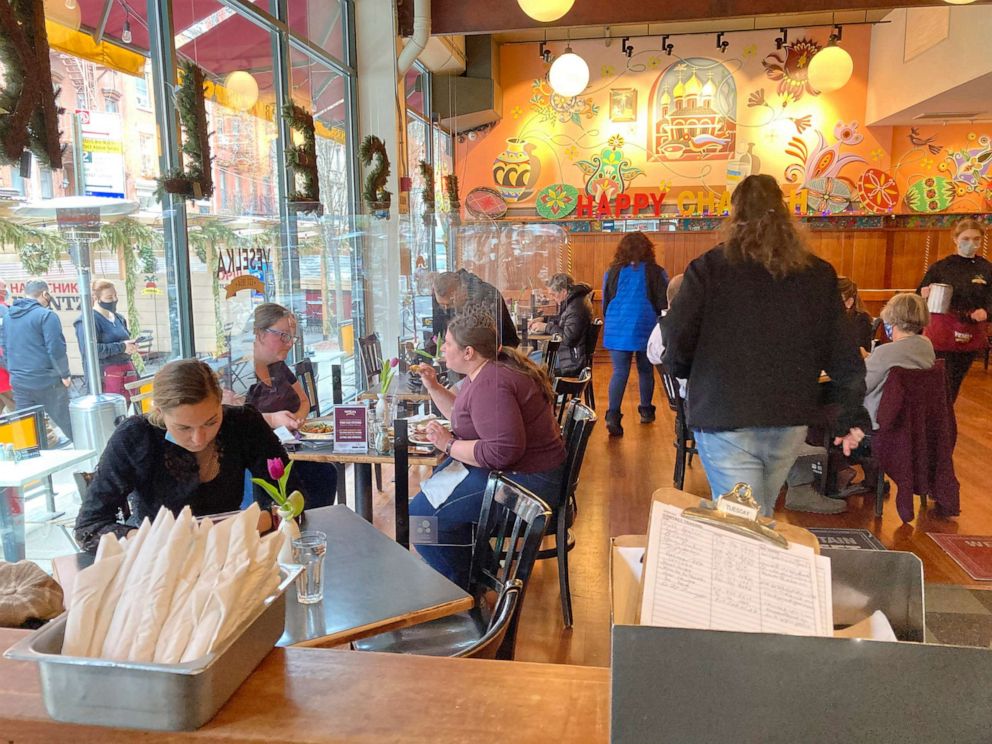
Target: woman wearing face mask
960	333
114	345
189	451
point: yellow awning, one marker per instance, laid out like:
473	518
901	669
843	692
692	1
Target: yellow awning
105	53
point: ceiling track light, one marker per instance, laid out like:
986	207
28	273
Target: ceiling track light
666	47
781	41
721	44
545	52
626	48
837	35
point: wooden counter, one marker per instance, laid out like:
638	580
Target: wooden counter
323	695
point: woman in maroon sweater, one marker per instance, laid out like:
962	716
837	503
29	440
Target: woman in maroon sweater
501	419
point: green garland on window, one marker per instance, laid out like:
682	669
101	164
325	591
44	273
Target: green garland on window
302	159
377	199
36	249
427	173
195	180
28	111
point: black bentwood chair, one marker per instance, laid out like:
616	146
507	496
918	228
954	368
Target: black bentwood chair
592	340
579	423
567	389
550	359
308	380
685	444
511	525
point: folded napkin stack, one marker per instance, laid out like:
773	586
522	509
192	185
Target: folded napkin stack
173	591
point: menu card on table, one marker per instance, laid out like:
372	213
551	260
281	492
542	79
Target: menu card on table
351	429
697	575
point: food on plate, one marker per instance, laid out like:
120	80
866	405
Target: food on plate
317	427
420	428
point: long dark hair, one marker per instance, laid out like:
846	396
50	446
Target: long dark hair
634	248
761	230
476	328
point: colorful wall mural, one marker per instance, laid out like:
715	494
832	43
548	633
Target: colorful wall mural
691	124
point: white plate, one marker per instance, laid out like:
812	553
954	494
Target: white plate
316	436
414	439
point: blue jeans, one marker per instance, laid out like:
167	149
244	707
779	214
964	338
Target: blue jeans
621	371
760	457
450	551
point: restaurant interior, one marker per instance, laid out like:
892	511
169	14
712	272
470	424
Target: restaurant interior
342	190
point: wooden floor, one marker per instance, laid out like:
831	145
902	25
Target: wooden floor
619	476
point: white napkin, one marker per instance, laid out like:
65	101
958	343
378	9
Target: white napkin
123	628
160	587
111	600
221	603
261	581
439	486
88	595
875	627
179	623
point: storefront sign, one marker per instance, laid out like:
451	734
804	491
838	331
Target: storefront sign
234	261
102	147
65	295
351	432
245	281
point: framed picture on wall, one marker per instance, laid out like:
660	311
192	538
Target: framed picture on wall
623	104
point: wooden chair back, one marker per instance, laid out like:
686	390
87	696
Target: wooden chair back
308	380
371	350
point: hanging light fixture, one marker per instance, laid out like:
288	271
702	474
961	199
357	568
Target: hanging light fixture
70	4
959	2
569	74
126	34
242	90
545	11
64	12
831	67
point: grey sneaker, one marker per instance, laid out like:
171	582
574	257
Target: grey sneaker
805	499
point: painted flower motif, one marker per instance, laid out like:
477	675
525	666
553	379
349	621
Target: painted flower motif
848	134
961	189
802	122
757	98
926	163
571	153
615	142
612	157
653	62
606	70
557	200
942	167
516	112
877	154
664	185
972	136
791	71
750	50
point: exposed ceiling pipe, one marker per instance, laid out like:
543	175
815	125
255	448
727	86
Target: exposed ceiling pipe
421	33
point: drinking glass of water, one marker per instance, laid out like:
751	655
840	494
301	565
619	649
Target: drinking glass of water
308	550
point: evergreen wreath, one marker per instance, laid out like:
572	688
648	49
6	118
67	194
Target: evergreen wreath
196	180
451	193
374	193
427	173
28	110
302	159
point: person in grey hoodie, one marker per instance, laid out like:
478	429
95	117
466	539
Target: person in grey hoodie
35	353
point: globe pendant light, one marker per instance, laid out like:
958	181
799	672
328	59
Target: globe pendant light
545	10
831	67
569	74
959	2
242	90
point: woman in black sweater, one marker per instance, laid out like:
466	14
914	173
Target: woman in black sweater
190	450
756	320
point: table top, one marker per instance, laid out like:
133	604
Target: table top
372	584
312	453
323	695
16	474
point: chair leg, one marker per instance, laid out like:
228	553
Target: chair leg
590	396
879	492
566	593
378	477
680	457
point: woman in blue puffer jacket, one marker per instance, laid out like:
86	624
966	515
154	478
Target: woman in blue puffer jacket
633	297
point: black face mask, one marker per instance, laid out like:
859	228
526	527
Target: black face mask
109	306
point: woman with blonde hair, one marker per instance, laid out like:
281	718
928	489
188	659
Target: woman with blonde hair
114	345
501	419
960	333
756	320
189	451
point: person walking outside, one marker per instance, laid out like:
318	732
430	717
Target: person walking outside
6	397
756	320
633	297
34	347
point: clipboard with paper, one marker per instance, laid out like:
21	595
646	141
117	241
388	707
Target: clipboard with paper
721	567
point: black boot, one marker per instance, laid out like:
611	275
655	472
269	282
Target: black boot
613	423
647	414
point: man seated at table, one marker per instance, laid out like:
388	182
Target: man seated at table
501	419
190	450
571	323
453	290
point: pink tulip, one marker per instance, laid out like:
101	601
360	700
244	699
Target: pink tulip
276	468
394	362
